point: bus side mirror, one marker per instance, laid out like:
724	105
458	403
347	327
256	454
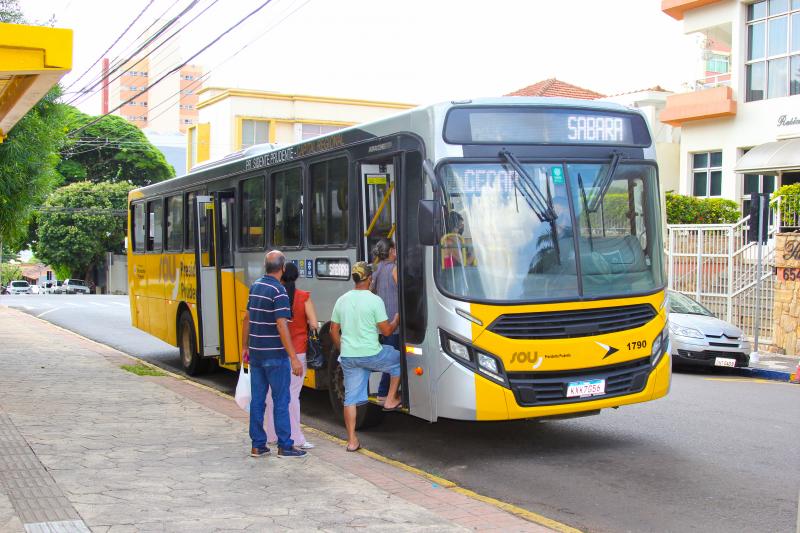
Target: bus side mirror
427	223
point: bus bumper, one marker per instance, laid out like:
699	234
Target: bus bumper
494	402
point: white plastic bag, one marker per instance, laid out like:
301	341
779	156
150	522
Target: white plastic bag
243	393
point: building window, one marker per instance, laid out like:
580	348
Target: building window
707	174
187	77
187	91
174	223
187	121
772	68
253	210
254	132
187	106
287	226
329	202
155	237
717	63
315	130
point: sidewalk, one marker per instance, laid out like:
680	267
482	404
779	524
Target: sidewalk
87	446
771	366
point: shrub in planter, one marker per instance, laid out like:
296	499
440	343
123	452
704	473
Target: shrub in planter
692	210
790	203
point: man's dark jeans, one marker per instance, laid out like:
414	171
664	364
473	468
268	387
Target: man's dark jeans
266	373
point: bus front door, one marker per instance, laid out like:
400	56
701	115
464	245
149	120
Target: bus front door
207	300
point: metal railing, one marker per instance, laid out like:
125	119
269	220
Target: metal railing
717	265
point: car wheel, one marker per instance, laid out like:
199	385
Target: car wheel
187	343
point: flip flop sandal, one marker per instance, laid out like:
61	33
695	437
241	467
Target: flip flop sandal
353	449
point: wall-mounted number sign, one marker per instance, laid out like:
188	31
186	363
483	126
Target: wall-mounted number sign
789	274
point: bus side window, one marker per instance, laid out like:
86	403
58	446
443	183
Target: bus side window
174	223
329	202
155	236
253	207
138	228
287	210
191	216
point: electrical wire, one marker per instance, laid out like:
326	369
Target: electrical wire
121	35
89	90
177	68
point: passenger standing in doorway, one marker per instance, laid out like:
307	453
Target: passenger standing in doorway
357	317
304	317
267	347
384	284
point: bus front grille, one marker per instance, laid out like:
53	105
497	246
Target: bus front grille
570	324
533	389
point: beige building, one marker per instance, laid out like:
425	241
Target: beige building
232	119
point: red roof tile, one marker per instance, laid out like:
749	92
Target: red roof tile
557	88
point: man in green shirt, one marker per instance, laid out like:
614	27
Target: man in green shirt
357	318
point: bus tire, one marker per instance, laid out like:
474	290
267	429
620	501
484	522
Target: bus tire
367	415
191	362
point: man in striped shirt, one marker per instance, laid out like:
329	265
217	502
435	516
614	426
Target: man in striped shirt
267	346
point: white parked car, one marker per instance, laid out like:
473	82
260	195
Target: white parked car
19	287
699	338
74	286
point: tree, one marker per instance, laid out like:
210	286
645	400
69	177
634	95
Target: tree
10	12
79	223
9	272
28	159
110	150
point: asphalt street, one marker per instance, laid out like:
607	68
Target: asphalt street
719	453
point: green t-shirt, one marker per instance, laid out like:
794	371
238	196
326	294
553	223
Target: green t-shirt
358	312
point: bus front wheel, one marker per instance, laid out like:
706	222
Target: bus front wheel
187	343
367	415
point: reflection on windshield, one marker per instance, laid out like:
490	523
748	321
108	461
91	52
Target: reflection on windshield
680	303
496	247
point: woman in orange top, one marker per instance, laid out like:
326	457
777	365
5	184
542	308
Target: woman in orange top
304	317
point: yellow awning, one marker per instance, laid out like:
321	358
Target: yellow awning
769	158
32	60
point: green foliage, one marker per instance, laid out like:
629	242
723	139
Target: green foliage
9	272
111	150
693	210
76	241
28	159
790	203
10	12
142	370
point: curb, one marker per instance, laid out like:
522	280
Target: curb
525	514
772	375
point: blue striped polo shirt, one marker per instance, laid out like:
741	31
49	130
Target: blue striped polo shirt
268	302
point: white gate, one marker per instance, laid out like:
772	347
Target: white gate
717	265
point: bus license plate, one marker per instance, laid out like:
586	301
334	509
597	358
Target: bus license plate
724	361
583	389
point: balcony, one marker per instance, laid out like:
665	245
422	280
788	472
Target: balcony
715	102
676	8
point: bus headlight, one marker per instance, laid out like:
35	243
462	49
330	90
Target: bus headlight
459	350
660	345
487	363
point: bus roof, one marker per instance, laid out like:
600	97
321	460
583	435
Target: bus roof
199	172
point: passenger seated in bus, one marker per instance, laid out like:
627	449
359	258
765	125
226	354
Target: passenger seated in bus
353	330
456	249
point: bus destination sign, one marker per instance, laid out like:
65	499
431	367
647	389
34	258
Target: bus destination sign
545	125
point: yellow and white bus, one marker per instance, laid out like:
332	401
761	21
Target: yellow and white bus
529	241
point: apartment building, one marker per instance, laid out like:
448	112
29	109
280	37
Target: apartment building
740	117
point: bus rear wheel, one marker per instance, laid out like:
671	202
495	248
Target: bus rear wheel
367	415
191	362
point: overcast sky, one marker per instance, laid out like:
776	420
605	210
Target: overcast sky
415	51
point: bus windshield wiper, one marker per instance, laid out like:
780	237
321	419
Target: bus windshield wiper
586	209
537	201
605	182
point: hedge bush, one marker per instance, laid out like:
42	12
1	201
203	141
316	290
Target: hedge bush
692	210
790	204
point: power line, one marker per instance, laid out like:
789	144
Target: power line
159	80
90	89
112	45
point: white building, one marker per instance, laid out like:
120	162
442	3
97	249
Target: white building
740	121
232	119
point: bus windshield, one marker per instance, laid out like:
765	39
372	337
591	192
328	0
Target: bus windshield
496	247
